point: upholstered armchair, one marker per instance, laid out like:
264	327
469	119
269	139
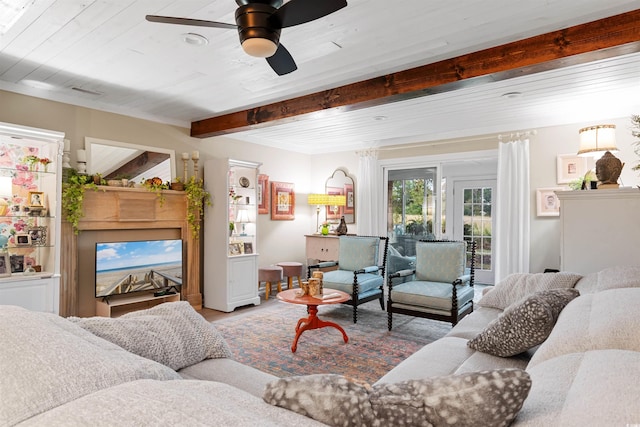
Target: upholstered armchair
442	288
360	270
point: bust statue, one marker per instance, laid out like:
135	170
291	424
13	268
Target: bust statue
608	169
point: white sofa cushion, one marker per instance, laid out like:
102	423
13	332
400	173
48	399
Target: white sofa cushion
169	403
519	285
595	388
604	320
610	278
47	361
172	333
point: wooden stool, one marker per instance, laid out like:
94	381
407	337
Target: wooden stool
271	274
291	269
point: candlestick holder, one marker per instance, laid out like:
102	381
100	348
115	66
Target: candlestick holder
66	159
185	163
195	168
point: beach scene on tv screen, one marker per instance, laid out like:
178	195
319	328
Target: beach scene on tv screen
123	267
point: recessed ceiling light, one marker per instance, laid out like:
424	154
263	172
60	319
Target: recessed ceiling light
380	118
195	39
38	84
512	95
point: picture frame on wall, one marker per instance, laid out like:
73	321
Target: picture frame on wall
547	202
283	201
38	235
570	167
5	265
263	194
334	212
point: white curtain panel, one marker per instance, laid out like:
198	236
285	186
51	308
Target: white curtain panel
512	209
368	206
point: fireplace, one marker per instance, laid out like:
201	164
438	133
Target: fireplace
123	214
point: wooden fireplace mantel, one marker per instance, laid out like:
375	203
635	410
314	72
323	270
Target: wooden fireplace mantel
117	208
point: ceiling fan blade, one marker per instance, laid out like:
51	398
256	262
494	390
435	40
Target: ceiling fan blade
282	62
187	21
300	11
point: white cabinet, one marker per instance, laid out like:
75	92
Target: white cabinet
599	229
30	186
230	235
321	248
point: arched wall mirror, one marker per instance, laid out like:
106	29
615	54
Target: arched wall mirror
342	183
114	160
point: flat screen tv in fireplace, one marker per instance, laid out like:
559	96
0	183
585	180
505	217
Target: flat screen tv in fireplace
147	265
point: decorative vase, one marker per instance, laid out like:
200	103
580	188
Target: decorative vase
342	227
324	230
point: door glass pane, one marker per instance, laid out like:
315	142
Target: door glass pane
412	213
477	225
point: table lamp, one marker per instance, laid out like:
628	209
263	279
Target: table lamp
600	140
243	218
318	200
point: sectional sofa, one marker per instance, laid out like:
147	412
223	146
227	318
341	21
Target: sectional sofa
167	366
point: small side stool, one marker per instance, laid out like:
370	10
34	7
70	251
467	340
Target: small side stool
291	269
271	274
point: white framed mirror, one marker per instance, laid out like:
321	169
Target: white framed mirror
115	160
342	183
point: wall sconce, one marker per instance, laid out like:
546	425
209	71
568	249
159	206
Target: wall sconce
600	140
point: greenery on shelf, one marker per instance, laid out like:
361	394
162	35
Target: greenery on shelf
156	185
73	188
197	199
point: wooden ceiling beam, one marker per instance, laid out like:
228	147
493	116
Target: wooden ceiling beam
605	38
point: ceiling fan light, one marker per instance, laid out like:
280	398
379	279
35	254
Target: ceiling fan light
259	47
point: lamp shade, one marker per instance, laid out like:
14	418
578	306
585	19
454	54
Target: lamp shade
337	200
597	140
243	216
318	199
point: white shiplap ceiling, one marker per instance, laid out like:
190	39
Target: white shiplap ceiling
104	55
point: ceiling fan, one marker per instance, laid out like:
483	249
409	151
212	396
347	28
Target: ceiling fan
259	23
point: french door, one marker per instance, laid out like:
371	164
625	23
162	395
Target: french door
473	220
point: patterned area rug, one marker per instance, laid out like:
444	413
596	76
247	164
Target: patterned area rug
263	339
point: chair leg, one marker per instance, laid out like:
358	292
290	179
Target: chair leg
289	282
267	290
355	312
389	318
279	286
382	301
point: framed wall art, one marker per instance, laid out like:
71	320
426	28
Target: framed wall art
38	235
263	194
283	201
547	202
334	212
570	167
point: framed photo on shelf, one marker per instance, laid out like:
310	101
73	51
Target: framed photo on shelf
570	167
334	212
283	201
235	248
263	194
348	192
38	235
36	199
248	247
5	266
23	239
547	202
17	263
